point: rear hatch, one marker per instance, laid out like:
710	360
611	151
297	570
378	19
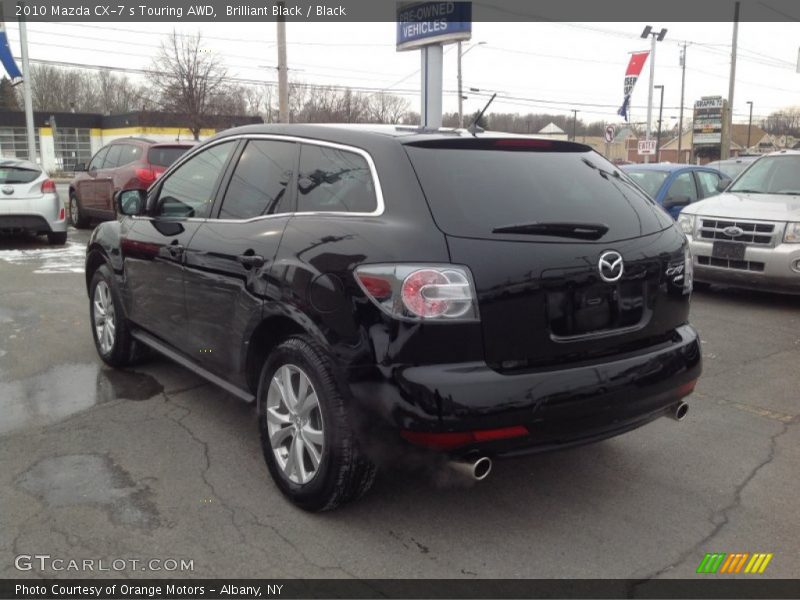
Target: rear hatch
532	219
19	182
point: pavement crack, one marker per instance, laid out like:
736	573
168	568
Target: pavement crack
720	517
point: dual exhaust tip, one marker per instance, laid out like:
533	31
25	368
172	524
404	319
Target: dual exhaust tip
479	468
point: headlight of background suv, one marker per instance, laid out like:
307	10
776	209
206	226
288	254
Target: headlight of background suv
792	235
686	223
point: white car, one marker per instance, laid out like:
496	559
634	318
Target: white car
749	236
29	201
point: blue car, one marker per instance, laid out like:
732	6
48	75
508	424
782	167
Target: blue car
674	186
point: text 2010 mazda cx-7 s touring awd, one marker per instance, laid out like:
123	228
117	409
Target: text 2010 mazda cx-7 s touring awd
474	295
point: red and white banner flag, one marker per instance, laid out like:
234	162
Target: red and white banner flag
631	76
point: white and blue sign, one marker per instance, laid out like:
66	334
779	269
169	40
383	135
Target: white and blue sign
423	23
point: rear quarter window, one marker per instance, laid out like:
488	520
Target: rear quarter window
164	156
334	180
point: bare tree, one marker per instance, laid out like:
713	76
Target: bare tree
188	79
386	108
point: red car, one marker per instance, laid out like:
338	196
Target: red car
125	163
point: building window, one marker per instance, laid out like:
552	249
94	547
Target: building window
72	146
14	142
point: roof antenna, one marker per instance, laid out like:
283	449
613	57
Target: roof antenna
473	127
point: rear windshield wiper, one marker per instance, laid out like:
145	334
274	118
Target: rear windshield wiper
582	231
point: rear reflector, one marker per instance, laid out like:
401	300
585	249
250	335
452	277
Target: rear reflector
48	186
61	214
450	440
687	388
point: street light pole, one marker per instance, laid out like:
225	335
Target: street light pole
749	124
460	82
574	122
655	37
660	114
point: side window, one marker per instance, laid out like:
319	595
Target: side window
112	158
260	180
97	161
129	153
707	182
334	180
683	185
189	190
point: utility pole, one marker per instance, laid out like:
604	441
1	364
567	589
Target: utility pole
660	115
26	90
460	93
749	124
574	122
683	84
725	149
283	76
655	37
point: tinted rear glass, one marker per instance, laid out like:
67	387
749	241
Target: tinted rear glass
651	181
164	156
12	175
471	192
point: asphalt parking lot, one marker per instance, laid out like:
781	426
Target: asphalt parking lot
155	463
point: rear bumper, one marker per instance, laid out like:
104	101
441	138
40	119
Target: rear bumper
40	215
557	407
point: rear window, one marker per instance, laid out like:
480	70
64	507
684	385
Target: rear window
12	175
473	191
164	156
650	181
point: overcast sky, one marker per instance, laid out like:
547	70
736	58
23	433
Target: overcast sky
545	67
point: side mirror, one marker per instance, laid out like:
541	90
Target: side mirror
131	202
674	201
79	167
723	184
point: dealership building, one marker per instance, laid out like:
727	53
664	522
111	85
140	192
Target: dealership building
66	139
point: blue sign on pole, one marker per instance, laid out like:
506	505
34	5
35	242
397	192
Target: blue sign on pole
423	23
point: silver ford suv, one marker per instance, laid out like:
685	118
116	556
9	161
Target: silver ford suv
749	236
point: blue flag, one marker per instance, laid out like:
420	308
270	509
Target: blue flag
7	59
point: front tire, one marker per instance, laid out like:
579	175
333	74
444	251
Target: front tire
110	330
76	217
308	442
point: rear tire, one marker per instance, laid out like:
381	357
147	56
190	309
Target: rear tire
110	329
58	238
76	217
310	448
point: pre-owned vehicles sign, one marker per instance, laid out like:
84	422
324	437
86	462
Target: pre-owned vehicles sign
423	23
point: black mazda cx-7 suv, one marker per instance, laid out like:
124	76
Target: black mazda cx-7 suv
469	294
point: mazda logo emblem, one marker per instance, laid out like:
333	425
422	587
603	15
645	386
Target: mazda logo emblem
610	266
733	231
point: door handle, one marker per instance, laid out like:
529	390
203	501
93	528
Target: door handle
251	260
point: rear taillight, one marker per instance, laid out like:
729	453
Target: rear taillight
145	175
417	292
48	186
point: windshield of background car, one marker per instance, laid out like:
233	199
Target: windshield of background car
12	175
650	181
164	156
488	185
771	175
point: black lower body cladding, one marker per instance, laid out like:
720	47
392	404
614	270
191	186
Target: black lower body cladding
555	406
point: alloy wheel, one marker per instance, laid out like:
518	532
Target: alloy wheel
294	424
103	313
73	211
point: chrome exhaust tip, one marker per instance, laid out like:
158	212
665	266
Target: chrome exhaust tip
679	411
476	469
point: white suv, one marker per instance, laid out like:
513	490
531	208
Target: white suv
749	236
